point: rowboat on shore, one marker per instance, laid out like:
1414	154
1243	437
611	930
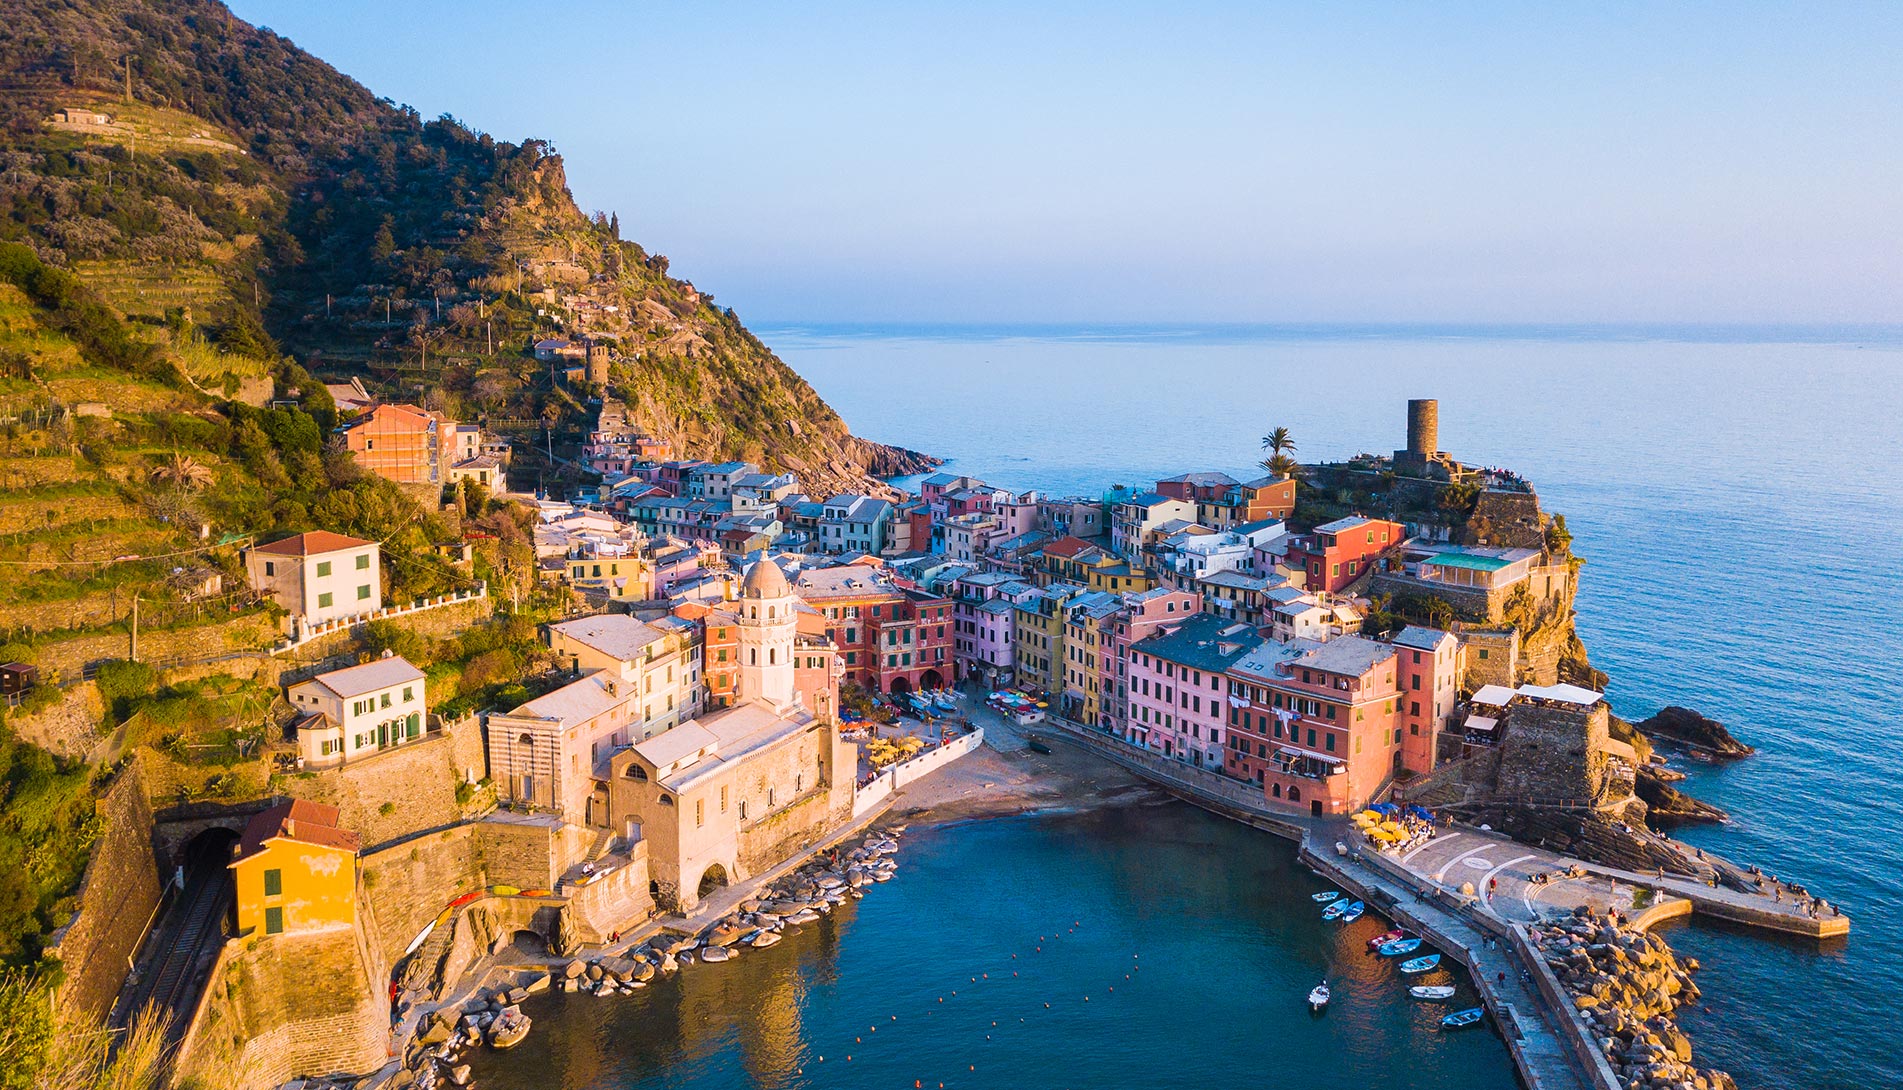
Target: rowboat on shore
1325	895
1462	1019
1318	997
1434	992
1399	947
1420	965
1353	913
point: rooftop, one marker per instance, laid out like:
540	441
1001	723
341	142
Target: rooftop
578	701
371	677
299	820
617	635
1424	639
313	543
1202	642
1351	656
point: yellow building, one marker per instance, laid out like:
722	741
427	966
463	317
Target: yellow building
1087	620
1071	560
1039	635
295	870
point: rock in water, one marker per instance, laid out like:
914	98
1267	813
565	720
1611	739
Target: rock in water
1687	727
1667	803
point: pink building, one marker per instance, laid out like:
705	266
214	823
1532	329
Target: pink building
1431	668
1318	725
985	633
1145	613
1178	691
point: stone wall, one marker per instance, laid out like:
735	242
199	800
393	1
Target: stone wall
409	883
70	727
117	897
1552	752
616	900
281	1006
64	660
397	793
522	851
439	622
1501	663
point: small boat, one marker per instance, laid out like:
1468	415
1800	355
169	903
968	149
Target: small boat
1386	937
1435	992
1420	965
1462	1019
1325	895
1398	947
1353	913
946	702
1035	744
1335	910
1318	996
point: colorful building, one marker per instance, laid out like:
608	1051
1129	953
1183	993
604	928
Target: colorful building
1178	694
295	870
1338	553
318	576
403	443
1039	624
1319	726
891	637
346	715
1143	615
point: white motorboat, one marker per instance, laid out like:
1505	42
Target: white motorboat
1434	992
1318	996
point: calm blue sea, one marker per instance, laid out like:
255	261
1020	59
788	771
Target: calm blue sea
1736	493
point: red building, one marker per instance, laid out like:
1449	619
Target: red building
1318	725
1223	503
891	637
1337	553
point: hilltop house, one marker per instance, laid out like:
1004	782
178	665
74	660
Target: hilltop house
352	713
318	576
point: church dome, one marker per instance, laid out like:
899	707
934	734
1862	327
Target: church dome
765	580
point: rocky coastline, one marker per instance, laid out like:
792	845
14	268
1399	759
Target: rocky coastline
1628	985
1698	735
437	1053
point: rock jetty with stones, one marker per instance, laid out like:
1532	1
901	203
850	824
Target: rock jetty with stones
1628	986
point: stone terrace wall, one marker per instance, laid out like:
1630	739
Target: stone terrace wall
120	891
409	883
70	727
416	781
288	1005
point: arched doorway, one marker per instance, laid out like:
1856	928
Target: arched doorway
714	878
901	685
1294	794
930	680
529	943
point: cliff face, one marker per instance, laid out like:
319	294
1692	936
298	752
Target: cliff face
219	174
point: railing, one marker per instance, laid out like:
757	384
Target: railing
346	624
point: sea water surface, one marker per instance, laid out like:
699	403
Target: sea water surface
1737	495
1129	948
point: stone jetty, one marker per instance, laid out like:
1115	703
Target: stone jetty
1627	985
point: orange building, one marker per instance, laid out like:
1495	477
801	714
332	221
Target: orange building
403	443
295	870
720	650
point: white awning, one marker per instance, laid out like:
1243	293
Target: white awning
1494	695
1481	722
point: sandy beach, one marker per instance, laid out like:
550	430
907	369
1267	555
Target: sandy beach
1004	776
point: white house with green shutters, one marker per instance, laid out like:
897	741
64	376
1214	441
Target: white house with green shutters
349	714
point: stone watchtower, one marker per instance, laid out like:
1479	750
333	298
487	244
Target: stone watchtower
1423	456
598	363
767	627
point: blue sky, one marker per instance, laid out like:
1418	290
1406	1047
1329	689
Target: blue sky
980	162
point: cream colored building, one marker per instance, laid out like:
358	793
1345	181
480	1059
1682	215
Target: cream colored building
318	576
544	755
741	789
659	658
358	711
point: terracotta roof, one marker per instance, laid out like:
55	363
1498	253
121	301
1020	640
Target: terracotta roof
312	543
1067	546
299	820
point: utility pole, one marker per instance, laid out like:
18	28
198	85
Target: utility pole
135	628
128	79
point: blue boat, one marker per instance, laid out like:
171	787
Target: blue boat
1462	1019
1335	910
1327	895
1353	913
1421	965
1399	946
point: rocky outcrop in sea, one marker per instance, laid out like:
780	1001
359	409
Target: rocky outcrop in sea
1628	985
1688	728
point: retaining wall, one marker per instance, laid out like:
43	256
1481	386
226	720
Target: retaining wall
117	899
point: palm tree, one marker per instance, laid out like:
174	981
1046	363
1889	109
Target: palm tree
182	471
1281	447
